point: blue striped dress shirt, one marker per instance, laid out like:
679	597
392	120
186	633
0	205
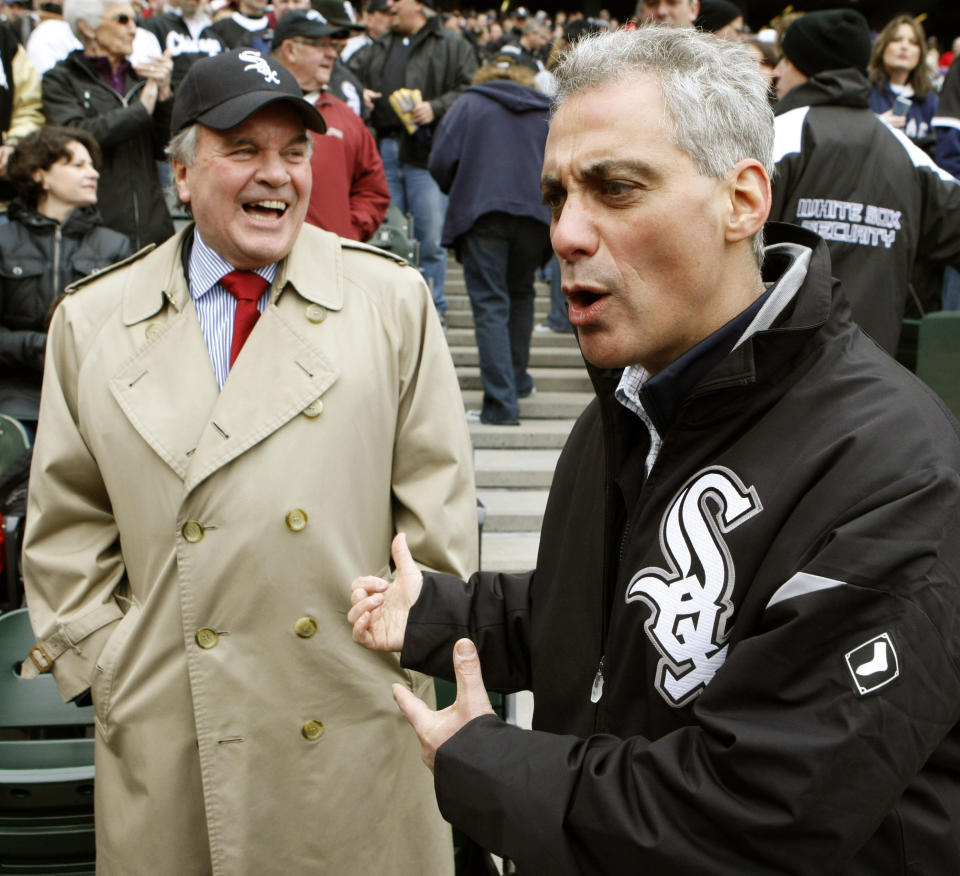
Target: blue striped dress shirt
215	306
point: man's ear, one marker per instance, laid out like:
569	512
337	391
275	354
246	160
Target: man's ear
180	181
750	200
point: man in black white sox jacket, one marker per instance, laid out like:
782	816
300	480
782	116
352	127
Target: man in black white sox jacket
878	200
743	631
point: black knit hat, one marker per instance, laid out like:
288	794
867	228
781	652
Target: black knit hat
830	40
715	14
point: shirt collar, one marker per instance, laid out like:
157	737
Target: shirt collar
207	267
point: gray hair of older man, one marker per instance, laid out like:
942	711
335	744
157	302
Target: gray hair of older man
713	91
90	11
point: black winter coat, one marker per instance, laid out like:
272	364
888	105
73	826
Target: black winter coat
38	259
131	200
746	662
441	64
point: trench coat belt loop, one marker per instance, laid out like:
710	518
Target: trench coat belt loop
43	655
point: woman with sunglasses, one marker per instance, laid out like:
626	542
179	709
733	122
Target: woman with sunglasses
127	111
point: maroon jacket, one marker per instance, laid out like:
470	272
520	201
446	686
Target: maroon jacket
350	194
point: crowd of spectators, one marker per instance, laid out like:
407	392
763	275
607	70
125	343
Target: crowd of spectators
108	70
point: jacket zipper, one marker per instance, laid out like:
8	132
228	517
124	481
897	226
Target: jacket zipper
57	242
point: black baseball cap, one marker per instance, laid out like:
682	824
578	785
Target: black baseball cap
305	23
225	90
335	11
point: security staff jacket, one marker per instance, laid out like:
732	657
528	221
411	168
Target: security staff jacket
745	661
877	199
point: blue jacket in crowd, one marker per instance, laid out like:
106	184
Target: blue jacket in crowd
919	115
488	153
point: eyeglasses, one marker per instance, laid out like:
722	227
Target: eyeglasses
122	18
318	43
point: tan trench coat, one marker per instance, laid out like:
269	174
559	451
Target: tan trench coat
190	550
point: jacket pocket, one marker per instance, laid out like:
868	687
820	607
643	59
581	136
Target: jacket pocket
85	264
109	660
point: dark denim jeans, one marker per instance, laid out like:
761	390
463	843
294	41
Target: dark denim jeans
414	191
557	318
500	256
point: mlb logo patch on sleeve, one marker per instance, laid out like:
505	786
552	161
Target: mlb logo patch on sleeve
873	664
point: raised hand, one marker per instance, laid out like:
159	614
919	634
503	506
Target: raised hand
380	608
435	728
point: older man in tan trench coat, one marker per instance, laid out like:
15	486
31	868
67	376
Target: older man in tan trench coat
190	546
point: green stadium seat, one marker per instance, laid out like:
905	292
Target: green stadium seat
938	356
46	768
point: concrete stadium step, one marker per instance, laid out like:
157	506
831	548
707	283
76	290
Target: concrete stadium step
507	468
465	337
540	357
529	435
463	317
509	551
462	302
512	510
544	379
542	406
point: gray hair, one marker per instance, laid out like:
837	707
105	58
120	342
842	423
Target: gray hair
714	95
183	145
90	11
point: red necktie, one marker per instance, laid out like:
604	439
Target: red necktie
246	287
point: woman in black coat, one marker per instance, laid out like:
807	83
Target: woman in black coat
54	236
126	110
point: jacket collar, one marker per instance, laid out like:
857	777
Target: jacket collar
812	306
143	297
847	87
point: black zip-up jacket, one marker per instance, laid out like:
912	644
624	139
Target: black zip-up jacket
131	200
878	200
441	64
38	259
746	662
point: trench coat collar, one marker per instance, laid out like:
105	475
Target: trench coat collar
168	390
143	297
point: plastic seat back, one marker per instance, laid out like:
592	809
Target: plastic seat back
938	356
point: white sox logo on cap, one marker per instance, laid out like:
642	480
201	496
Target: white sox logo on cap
256	62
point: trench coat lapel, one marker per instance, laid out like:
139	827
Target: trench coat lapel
276	376
279	372
167	388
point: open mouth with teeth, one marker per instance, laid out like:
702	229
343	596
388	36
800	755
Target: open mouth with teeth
266	209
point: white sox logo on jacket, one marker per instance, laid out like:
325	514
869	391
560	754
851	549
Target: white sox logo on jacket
690	600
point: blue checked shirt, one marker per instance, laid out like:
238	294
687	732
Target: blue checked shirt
215	306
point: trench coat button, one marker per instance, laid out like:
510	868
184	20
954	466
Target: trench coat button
153	330
305	627
192	531
296	520
207	638
316	312
17	270
314	409
312	730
